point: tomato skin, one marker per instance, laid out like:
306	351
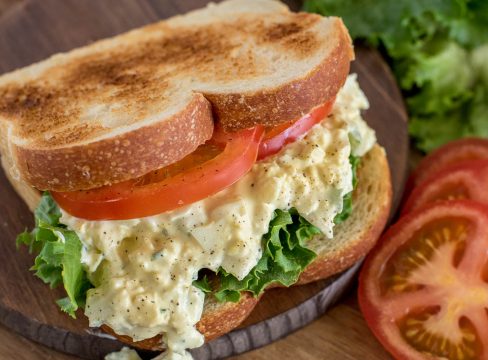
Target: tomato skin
468	180
187	181
281	135
127	200
454	152
374	306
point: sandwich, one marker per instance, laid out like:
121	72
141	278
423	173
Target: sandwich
179	170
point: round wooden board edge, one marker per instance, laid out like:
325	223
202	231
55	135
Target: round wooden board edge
84	346
95	344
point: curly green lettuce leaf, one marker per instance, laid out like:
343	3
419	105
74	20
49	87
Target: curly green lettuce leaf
470	118
347	200
469	26
284	258
433	131
437	50
479	62
406	27
450	97
203	284
478	114
58	252
443	80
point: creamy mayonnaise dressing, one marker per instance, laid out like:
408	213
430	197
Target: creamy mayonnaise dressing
143	269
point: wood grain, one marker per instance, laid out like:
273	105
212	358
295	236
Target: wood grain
6	4
70	25
341	334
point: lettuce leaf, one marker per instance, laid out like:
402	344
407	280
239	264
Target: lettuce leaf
437	50
285	254
58	252
347	200
284	257
400	26
203	284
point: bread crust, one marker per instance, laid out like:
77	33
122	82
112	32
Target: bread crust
335	262
138	152
95	122
214	323
289	101
127	156
230	315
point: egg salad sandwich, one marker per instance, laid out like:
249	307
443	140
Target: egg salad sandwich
188	165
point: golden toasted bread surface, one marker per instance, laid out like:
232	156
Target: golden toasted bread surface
122	107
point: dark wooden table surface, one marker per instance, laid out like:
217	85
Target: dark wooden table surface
340	334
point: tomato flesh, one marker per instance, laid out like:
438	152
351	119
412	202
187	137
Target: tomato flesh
468	180
281	135
202	154
455	152
210	168
422	290
184	183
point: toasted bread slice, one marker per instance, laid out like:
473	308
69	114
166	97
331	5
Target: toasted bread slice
352	241
122	107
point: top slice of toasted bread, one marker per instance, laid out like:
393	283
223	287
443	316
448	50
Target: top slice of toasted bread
122	107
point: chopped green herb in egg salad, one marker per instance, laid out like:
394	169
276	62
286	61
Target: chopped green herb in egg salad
149	276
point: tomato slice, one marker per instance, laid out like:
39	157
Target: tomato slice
194	178
454	152
212	167
423	290
468	180
281	135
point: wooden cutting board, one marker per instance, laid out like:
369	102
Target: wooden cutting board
35	30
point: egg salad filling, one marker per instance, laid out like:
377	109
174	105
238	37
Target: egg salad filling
141	276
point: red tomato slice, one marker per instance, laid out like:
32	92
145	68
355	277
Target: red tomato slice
281	135
454	152
468	180
423	289
174	186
